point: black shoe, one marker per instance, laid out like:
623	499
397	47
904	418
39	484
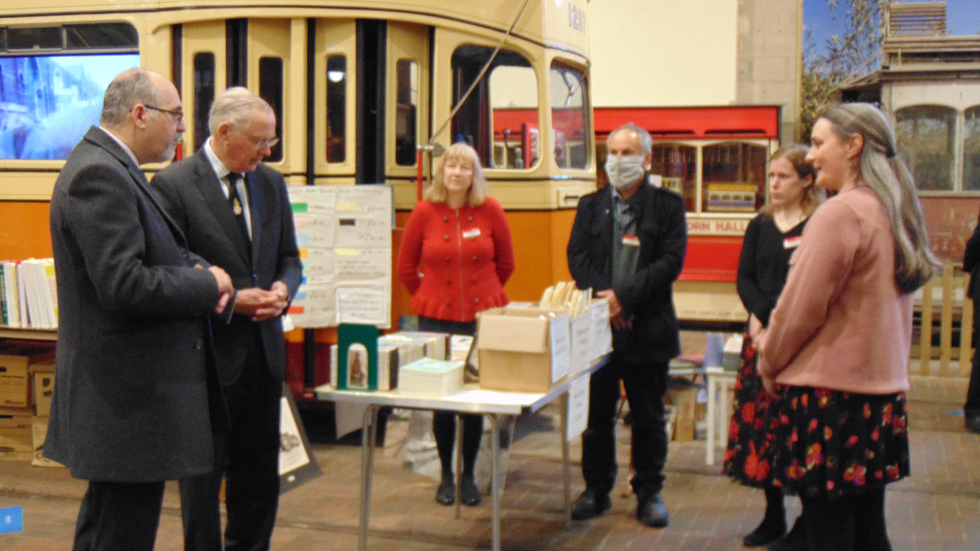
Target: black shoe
767	532
446	494
795	540
973	423
590	505
652	511
469	494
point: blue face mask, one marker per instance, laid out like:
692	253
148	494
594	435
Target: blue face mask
624	171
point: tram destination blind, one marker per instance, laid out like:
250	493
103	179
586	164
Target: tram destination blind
344	239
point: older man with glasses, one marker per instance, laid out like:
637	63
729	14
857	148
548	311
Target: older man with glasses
235	213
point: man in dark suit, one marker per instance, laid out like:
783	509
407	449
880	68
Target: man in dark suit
236	214
627	244
971	264
136	393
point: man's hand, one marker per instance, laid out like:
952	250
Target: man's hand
622	324
225	287
614	307
260	304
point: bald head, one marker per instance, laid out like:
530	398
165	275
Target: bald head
143	110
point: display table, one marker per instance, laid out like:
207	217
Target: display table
720	382
490	403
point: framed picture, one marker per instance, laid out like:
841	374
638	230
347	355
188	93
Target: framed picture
297	465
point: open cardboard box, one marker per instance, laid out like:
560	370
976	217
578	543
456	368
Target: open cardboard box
523	349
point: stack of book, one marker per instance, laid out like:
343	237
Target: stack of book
430	377
28	294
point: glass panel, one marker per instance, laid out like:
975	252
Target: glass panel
500	117
102	35
971	149
49	102
406	114
336	109
568	117
203	96
34	38
676	164
734	176
926	141
270	89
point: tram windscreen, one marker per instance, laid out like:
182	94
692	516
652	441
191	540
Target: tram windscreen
47	103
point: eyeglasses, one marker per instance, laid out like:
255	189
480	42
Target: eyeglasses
262	143
177	114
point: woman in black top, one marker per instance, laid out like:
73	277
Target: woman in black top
770	240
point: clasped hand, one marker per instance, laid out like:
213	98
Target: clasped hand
261	304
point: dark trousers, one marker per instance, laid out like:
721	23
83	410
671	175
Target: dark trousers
247	457
119	515
646	384
849	523
972	406
444	422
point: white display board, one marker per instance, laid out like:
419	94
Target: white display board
344	238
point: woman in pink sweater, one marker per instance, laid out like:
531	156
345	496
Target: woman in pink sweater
837	345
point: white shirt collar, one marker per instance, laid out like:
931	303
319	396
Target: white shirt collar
219	167
121	144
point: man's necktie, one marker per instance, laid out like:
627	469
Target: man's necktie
238	208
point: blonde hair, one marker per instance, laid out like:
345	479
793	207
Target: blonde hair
812	196
886	175
458	152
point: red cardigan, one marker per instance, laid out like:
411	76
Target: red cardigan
456	262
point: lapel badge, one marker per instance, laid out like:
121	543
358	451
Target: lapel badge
238	208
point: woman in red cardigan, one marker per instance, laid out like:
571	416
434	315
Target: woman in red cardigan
455	257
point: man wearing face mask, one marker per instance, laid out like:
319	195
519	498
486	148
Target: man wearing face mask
628	245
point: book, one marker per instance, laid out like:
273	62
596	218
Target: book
431	377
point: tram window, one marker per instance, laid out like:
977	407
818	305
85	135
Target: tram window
336	109
500	117
270	89
35	38
926	141
406	116
971	149
734	176
100	36
569	116
203	96
676	164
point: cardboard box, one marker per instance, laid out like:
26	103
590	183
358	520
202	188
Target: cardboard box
522	349
684	402
42	381
15	434
39	432
14	381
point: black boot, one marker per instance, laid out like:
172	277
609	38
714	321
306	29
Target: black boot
773	525
795	540
446	494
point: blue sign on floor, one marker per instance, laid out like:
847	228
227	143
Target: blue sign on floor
11	520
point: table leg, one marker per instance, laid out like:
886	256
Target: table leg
709	457
369	431
495	489
566	460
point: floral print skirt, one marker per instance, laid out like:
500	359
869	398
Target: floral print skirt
748	458
830	443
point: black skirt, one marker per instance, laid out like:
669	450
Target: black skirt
748	458
830	443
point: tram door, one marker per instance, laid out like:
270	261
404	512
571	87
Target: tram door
407	113
257	54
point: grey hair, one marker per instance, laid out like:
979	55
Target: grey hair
646	142
886	174
129	88
235	106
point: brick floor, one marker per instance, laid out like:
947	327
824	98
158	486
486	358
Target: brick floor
937	508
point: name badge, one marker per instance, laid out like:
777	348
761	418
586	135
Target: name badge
792	242
631	241
471	234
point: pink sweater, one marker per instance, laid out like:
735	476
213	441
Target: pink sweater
840	322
